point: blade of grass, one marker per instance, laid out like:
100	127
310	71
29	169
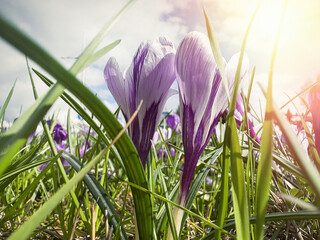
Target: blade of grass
87	54
239	192
264	166
98	193
217	53
17	207
100	53
75	106
189	212
273	217
6	102
232	149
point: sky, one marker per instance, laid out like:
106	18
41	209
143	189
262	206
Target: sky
64	28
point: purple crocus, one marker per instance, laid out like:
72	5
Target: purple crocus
59	137
84	147
59	134
173	120
149	79
314	101
238	115
202	98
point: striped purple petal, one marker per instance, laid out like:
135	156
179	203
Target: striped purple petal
148	79
199	82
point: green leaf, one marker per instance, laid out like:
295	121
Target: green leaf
239	192
97	55
98	193
198	181
264	167
273	217
75	106
217	53
27	228
6	102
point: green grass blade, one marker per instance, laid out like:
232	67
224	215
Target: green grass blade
27	228
75	106
17	207
189	212
234	147
273	217
24	168
168	208
82	61
6	102
263	175
217	53
100	53
198	181
13	139
98	193
239	192
222	205
237	77
264	167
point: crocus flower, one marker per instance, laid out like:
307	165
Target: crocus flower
166	134
314	101
84	147
209	181
59	137
59	134
238	115
173	120
202	98
149	79
161	152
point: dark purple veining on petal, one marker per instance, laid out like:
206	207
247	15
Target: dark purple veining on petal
138	62
193	149
147	132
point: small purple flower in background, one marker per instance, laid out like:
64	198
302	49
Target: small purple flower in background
149	79
314	101
161	152
238	115
173	120
59	134
166	134
172	152
84	147
203	99
209	181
